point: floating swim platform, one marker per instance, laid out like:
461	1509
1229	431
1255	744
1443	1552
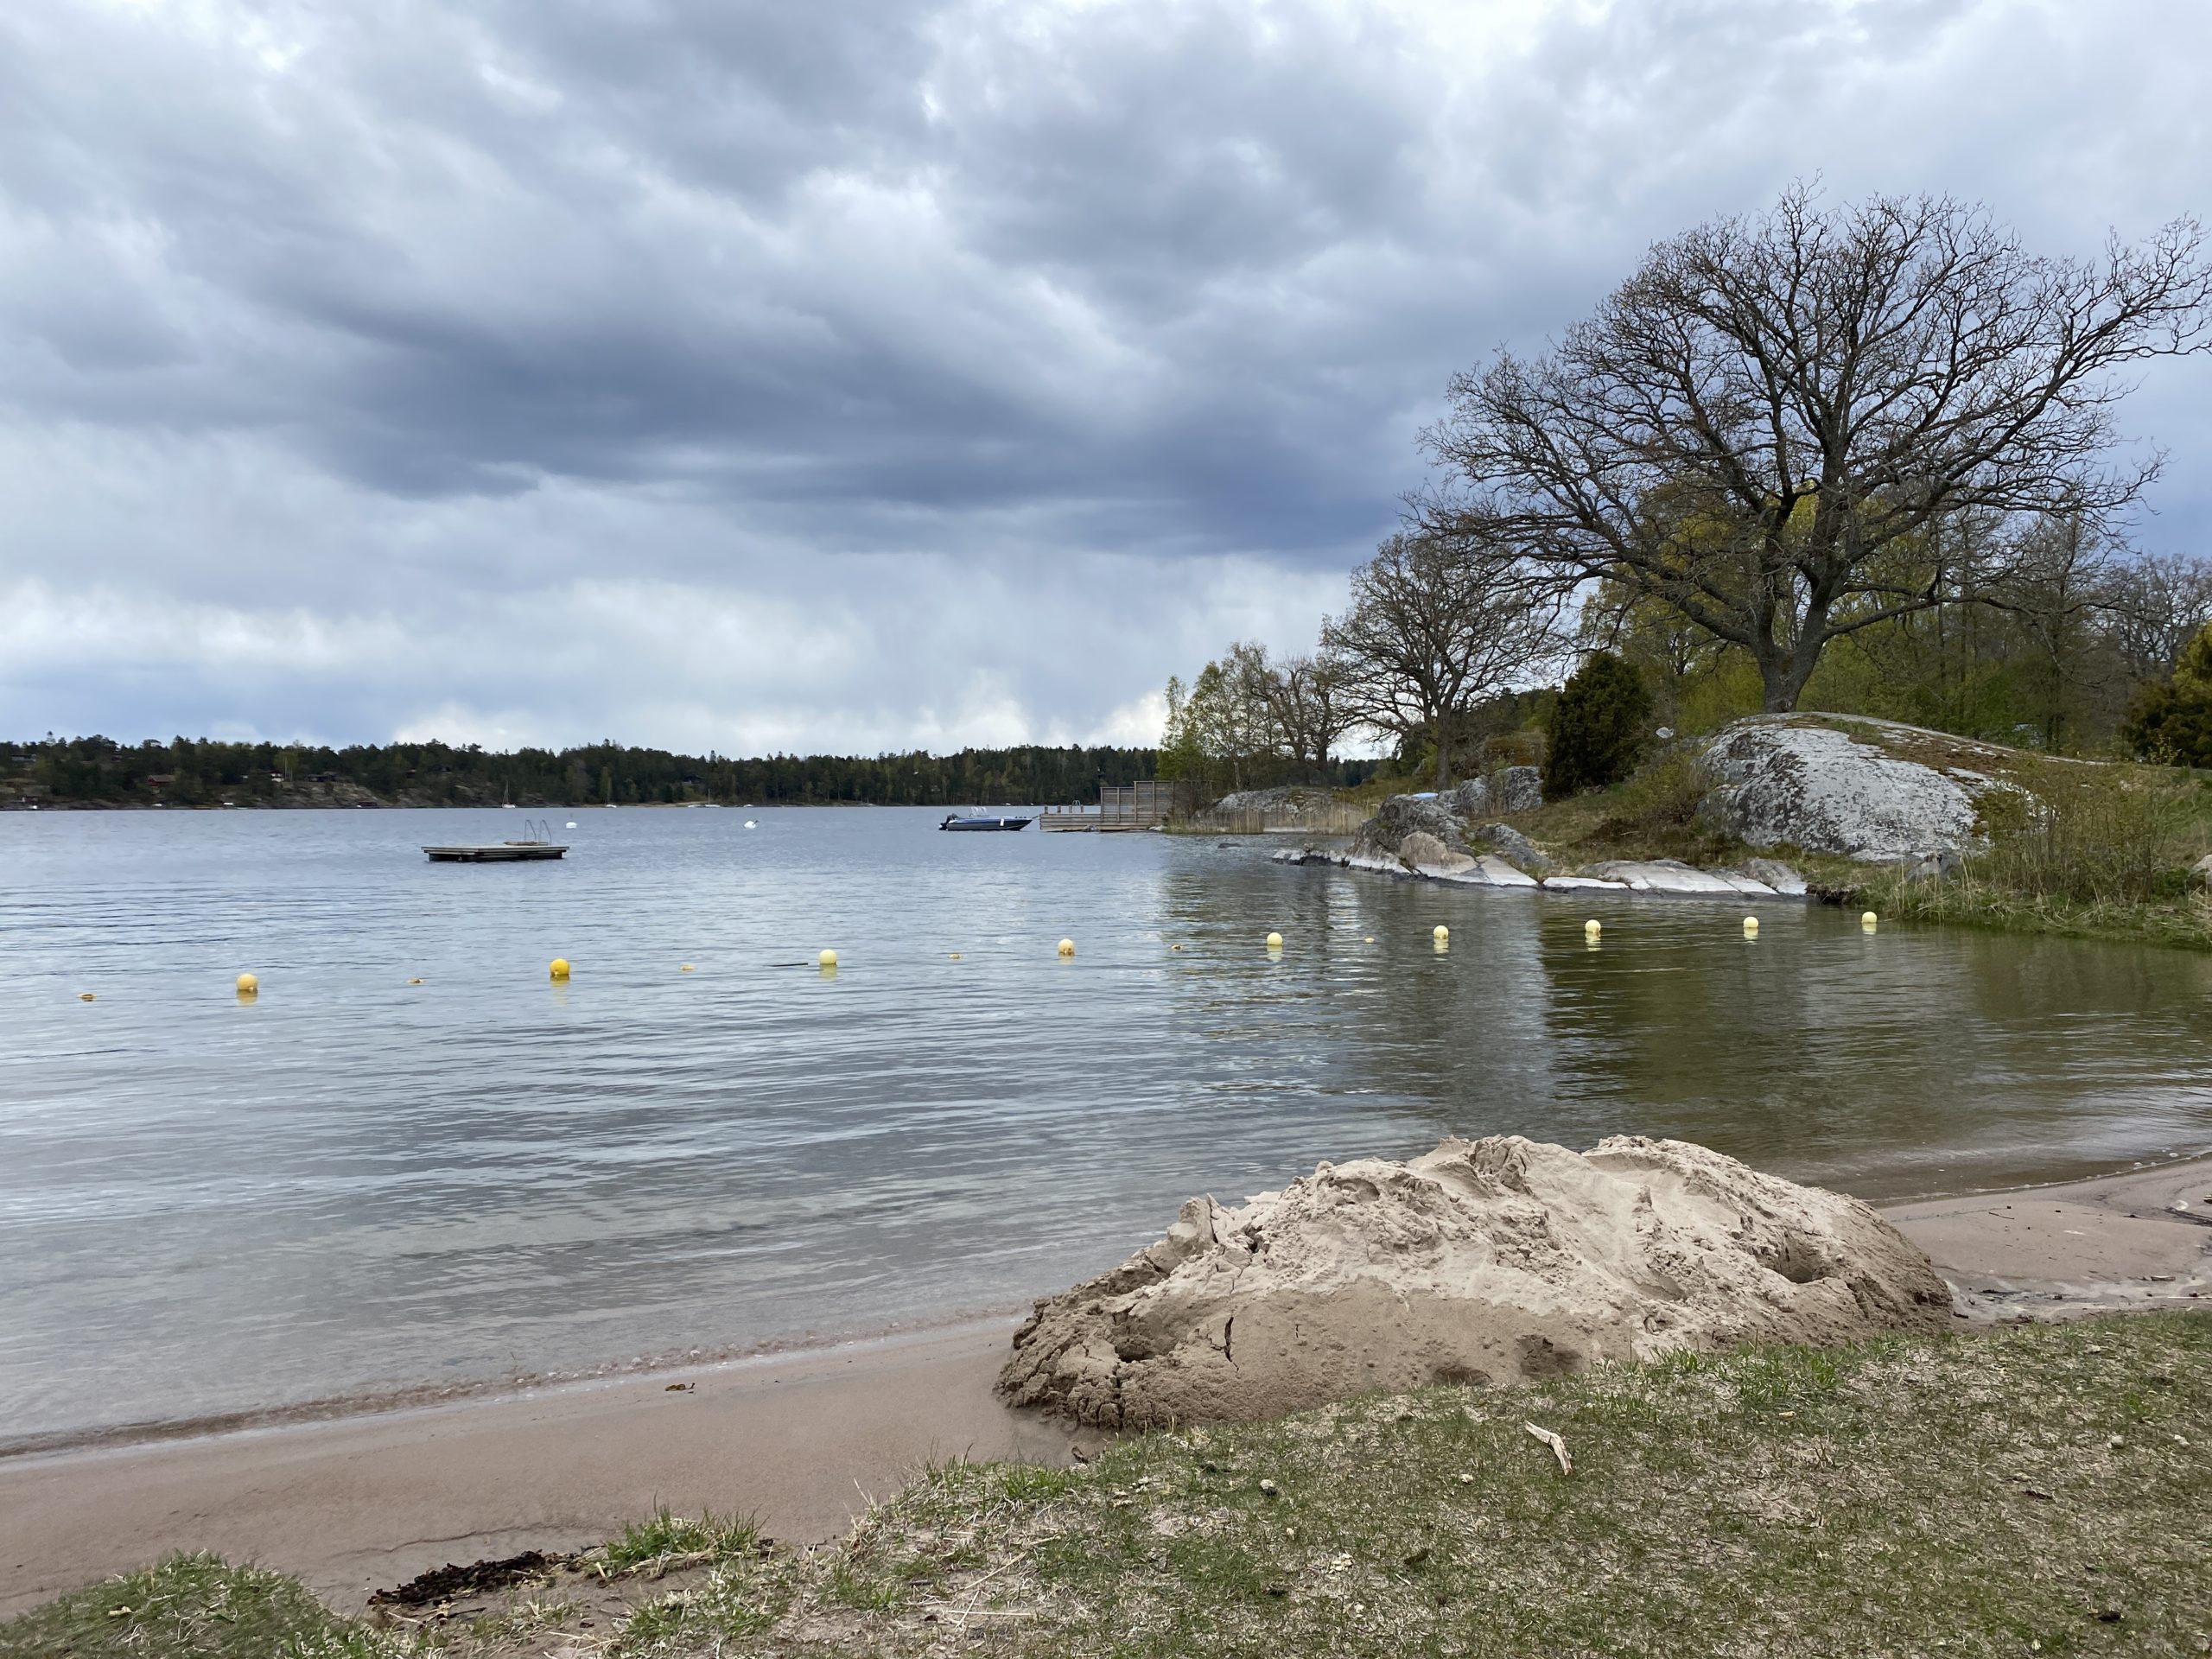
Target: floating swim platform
500	852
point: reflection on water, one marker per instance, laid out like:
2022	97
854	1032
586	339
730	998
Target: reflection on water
353	1182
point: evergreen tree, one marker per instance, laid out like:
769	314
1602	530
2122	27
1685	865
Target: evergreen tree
2171	720
1598	726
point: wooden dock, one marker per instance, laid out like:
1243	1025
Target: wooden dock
1140	806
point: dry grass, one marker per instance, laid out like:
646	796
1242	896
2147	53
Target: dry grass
2036	1489
1651	815
2099	852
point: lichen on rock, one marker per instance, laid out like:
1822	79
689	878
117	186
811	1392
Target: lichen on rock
1491	1261
1782	780
1382	840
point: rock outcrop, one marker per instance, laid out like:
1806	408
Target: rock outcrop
1489	1262
1866	789
1510	788
1672	876
1289	801
1512	846
1381	843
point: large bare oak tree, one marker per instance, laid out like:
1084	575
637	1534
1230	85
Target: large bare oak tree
1770	425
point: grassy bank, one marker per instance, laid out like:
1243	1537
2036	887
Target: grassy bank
2088	850
2035	1489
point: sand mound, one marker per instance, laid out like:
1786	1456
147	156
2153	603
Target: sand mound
1488	1260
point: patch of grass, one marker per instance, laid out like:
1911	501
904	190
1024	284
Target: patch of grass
2098	853
187	1607
1651	814
2036	1489
741	1598
664	1542
1876	1499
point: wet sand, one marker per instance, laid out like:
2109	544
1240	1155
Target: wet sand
804	1441
2137	1239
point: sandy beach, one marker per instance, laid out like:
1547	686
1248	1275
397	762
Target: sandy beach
805	1441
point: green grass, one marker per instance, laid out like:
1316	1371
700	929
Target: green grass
2038	1489
663	1541
187	1607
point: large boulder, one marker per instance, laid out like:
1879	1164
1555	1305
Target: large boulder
1422	854
1510	788
1491	1260
1866	789
1380	840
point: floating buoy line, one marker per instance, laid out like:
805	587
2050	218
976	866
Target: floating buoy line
559	969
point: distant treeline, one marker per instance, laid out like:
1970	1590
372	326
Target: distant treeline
99	771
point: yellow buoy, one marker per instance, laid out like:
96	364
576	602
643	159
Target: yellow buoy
955	957
1067	947
248	984
1275	941
1439	933
1592	928
1369	939
559	969
414	981
86	996
827	959
686	969
1750	927
1174	947
1867	918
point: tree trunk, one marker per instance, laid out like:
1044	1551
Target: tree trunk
1443	755
1780	685
1783	674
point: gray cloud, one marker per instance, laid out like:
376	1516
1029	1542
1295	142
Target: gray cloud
743	374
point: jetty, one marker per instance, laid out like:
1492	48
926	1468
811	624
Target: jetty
1142	806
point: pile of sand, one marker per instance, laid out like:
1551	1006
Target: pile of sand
1488	1260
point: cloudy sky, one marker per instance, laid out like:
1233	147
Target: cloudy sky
748	374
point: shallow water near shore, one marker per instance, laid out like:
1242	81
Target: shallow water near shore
355	1183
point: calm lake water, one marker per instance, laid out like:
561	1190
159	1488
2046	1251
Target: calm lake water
357	1184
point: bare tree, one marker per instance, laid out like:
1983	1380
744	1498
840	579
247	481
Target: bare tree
1752	426
2159	604
2057	587
1307	708
1438	623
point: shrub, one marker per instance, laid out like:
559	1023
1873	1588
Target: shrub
1598	728
2170	722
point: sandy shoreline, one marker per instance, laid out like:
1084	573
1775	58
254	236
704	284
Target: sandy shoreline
805	1439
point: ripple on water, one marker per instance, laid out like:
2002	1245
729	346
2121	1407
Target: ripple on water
357	1182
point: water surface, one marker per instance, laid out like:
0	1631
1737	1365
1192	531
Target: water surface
356	1183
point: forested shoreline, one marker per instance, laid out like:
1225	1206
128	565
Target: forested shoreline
101	772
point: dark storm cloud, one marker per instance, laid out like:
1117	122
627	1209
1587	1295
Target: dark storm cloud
948	370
